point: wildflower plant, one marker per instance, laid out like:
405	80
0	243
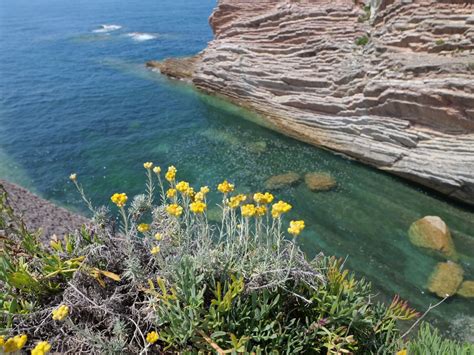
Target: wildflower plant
170	281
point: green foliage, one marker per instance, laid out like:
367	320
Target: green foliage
429	341
220	312
30	273
439	42
362	41
366	15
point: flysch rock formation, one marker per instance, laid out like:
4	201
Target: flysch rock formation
403	102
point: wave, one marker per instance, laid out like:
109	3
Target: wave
107	28
140	36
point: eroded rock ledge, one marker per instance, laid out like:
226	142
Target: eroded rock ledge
403	102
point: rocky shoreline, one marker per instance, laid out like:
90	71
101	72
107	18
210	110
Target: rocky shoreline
391	85
39	214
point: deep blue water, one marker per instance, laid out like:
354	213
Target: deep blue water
76	100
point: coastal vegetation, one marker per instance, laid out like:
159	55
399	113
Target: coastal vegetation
162	278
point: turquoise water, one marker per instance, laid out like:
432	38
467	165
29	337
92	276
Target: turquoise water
75	98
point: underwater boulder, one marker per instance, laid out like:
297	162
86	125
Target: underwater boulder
282	180
432	233
318	181
445	279
466	289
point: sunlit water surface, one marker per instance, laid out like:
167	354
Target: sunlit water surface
75	97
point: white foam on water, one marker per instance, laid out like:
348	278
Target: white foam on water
107	28
140	36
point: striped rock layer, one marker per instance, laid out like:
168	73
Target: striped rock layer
403	102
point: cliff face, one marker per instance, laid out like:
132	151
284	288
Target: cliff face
402	102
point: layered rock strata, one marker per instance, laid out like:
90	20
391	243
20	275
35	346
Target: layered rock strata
391	86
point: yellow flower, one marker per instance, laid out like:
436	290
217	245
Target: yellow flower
197	207
199	196
73	177
119	199
2	340
148	165
260	211
152	337
263	198
155	250
182	186
14	344
41	348
248	210
235	201
171	174
190	192
204	190
174	209
225	187
296	227
61	312
157	170
171	193
158	236
10	346
279	208
402	352
143	227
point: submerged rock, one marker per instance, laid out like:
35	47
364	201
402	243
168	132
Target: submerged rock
282	180
319	181
466	289
432	233
445	279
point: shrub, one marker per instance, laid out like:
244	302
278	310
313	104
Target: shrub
167	280
429	341
362	41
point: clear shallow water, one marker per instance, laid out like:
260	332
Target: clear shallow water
75	97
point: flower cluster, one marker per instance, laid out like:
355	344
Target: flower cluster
296	227
235	201
174	209
155	250
225	187
13	344
143	227
201	194
43	347
279	208
263	199
157	170
73	177
148	165
248	210
171	174
152	337
182	187
197	207
60	313
170	193
120	199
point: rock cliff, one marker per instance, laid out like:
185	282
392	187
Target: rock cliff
391	85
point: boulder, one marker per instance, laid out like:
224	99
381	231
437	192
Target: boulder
445	279
319	181
466	289
432	233
283	180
